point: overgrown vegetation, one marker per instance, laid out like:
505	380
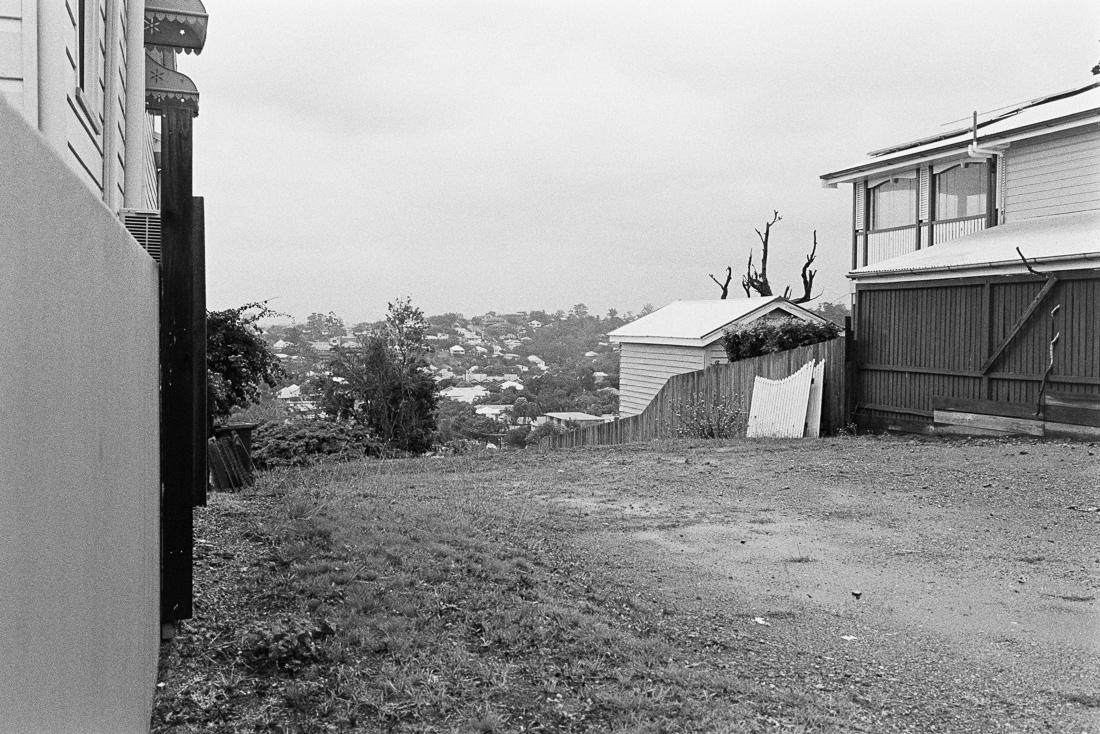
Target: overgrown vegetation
384	385
238	359
766	336
702	418
305	442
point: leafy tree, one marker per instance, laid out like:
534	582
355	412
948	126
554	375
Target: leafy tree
322	326
384	384
238	359
835	312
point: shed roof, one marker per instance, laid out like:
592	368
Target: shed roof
1069	242
699	323
1077	105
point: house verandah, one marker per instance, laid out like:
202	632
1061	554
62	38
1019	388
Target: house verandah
981	340
976	274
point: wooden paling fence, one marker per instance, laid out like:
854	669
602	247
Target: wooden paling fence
730	384
230	462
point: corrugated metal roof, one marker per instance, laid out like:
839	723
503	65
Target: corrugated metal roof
1041	113
1071	241
698	323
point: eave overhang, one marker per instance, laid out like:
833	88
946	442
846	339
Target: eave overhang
175	25
168	89
1073	108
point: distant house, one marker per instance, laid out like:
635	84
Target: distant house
496	412
535	324
685	336
599	376
514	384
457	351
947	317
281	344
537	361
481	350
591	354
464	394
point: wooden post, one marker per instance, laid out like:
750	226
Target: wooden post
201	423
178	378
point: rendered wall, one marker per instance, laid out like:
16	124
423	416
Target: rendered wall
79	457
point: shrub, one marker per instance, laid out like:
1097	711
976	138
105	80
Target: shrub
701	419
303	442
517	437
541	431
767	336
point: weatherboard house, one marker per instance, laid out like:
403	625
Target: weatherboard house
103	440
954	330
684	336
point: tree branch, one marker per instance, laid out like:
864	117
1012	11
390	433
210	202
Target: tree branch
724	286
807	275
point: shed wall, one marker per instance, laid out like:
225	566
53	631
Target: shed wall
916	341
79	448
645	368
1056	175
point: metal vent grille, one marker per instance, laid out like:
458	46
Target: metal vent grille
144	225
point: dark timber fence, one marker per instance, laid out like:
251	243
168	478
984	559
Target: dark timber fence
723	383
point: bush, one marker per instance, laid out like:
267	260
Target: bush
303	442
768	336
541	431
517	437
701	419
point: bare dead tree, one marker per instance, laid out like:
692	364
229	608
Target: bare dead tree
724	286
807	277
756	281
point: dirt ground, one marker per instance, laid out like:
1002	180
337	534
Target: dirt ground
951	585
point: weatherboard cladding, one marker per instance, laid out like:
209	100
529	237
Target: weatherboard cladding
1058	175
649	366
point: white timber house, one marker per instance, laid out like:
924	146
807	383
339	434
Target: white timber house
685	336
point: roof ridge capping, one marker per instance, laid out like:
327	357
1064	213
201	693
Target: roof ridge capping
1009	111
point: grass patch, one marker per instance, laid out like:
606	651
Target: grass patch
438	595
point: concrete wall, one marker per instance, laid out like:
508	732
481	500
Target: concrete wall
79	460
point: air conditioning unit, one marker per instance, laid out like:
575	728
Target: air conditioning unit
144	225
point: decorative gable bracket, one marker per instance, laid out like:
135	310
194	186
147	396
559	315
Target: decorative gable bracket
175	25
166	88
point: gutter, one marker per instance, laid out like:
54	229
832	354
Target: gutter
856	275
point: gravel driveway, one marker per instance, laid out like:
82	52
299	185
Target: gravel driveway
947	585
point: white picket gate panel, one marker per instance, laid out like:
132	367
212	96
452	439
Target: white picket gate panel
817	391
779	407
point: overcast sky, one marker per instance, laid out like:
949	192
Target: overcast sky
517	155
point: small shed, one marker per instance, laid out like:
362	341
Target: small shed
685	336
